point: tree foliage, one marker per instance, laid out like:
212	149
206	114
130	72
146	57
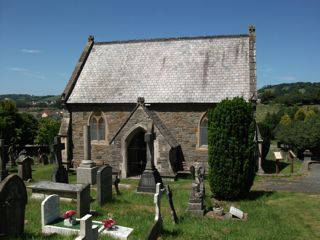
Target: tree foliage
15	128
231	148
291	93
48	128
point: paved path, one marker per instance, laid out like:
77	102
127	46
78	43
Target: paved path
309	183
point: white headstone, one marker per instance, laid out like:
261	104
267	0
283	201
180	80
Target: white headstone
236	212
50	208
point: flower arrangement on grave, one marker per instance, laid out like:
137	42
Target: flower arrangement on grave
109	223
69	219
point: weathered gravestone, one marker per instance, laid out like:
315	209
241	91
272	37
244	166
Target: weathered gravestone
195	205
87	230
3	171
44	159
13	200
150	176
24	165
60	174
104	184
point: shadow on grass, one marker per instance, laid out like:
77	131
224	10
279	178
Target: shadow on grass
269	166
254	195
171	233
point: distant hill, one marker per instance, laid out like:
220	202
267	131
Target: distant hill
291	93
26	100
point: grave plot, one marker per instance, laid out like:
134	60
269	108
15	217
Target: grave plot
52	222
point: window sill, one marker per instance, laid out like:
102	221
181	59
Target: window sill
95	142
203	148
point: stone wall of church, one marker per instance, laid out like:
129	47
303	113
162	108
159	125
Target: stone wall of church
181	120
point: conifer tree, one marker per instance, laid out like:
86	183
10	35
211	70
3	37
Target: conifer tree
231	148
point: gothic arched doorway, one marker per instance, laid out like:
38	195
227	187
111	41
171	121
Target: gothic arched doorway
136	154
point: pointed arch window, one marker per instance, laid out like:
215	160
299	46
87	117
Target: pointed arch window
97	127
203	131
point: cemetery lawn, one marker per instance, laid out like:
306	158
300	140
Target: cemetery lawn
271	215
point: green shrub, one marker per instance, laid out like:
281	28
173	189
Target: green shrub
230	148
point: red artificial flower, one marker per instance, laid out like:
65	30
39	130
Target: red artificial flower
69	213
108	223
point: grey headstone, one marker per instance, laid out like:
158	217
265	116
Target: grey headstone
24	165
13	199
104	184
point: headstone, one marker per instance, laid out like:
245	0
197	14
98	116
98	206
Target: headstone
307	154
3	170
87	171
116	182
150	176
13	200
104	184
236	212
24	165
87	231
156	228
50	209
60	174
80	192
44	159
195	205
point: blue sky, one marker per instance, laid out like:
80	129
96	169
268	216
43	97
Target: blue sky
41	41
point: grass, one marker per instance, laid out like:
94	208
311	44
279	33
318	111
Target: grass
271	215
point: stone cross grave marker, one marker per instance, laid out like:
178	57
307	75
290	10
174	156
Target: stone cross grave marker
60	174
3	171
13	199
150	176
104	184
24	165
87	230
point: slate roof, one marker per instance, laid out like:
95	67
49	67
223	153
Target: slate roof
182	70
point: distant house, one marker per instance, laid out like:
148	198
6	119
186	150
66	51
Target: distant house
118	87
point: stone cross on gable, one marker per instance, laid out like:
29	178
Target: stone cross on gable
57	147
149	138
3	171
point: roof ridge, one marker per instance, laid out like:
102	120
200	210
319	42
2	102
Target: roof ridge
171	39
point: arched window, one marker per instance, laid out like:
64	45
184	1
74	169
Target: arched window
97	127
203	131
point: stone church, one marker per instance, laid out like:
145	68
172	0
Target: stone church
117	88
